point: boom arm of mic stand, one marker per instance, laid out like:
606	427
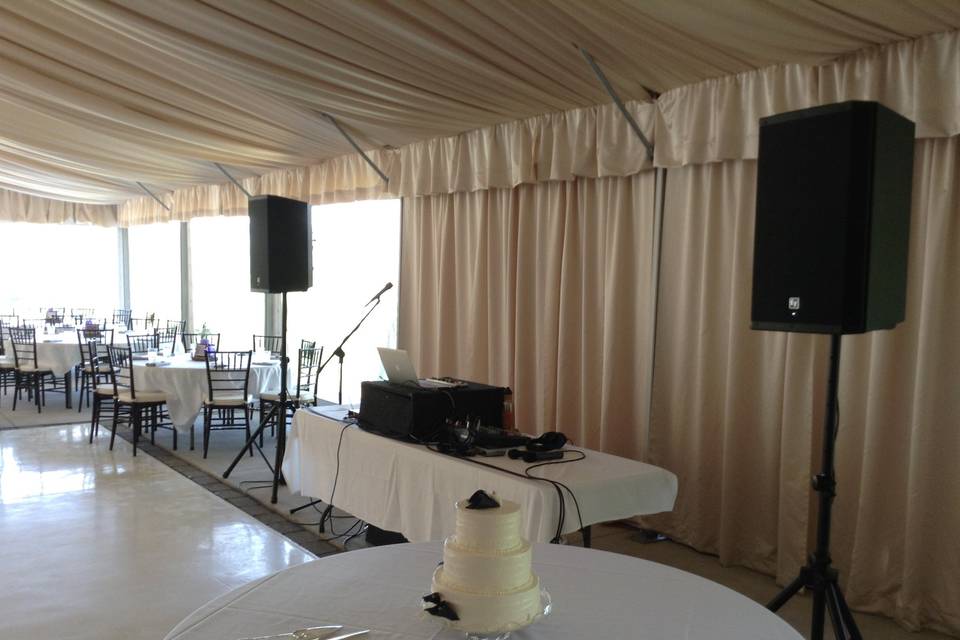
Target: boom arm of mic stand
344	341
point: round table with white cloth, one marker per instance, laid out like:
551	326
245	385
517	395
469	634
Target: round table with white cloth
59	353
596	594
184	381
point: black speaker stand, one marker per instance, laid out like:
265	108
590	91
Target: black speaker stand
817	575
279	410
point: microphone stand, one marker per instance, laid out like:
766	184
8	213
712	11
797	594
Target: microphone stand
339	353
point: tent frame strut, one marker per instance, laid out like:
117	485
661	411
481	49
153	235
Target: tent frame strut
232	179
616	99
152	195
356	146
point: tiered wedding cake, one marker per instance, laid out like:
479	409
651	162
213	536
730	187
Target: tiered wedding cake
485	583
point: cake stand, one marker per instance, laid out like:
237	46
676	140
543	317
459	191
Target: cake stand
546	605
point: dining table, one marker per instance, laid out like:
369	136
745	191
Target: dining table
593	594
60	353
184	381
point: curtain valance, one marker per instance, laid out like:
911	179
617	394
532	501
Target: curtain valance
718	119
22	207
917	78
706	122
593	142
341	179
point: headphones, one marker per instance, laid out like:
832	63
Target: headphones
549	441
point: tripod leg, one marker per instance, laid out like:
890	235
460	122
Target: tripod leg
838	629
788	592
250	441
819	604
305	506
845	613
281	446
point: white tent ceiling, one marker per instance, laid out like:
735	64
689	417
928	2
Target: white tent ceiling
96	95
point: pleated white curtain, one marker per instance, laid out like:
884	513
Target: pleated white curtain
733	410
897	522
546	288
23	207
737	414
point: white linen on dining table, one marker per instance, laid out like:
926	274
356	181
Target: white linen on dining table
58	353
596	594
184	381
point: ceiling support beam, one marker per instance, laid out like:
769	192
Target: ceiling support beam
151	194
354	144
616	98
232	179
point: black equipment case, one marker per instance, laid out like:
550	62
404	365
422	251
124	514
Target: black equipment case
420	413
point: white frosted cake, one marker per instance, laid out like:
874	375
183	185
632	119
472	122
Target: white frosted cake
486	578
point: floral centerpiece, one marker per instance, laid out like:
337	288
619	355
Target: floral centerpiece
203	345
90	329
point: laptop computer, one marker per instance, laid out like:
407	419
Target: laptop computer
399	368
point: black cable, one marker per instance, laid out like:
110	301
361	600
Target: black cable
559	486
576	503
336	475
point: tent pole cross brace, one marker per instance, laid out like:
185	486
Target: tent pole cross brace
356	146
616	99
151	194
232	179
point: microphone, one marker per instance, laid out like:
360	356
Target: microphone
386	288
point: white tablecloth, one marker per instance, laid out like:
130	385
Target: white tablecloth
596	595
185	383
408	488
59	353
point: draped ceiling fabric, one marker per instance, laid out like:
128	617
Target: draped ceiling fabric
97	95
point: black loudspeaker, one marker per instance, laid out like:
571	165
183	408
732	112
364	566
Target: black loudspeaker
281	245
833	219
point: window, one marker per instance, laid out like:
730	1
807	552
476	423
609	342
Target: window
59	265
155	270
220	281
356	250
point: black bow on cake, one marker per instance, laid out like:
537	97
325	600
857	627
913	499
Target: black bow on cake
481	500
441	608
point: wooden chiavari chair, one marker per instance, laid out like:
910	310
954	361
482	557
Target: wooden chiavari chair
87	368
8	365
134	407
31	375
304	394
121	317
267	343
228	379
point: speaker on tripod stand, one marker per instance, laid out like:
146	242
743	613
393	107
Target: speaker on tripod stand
281	260
830	256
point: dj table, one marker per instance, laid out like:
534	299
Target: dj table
398	486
